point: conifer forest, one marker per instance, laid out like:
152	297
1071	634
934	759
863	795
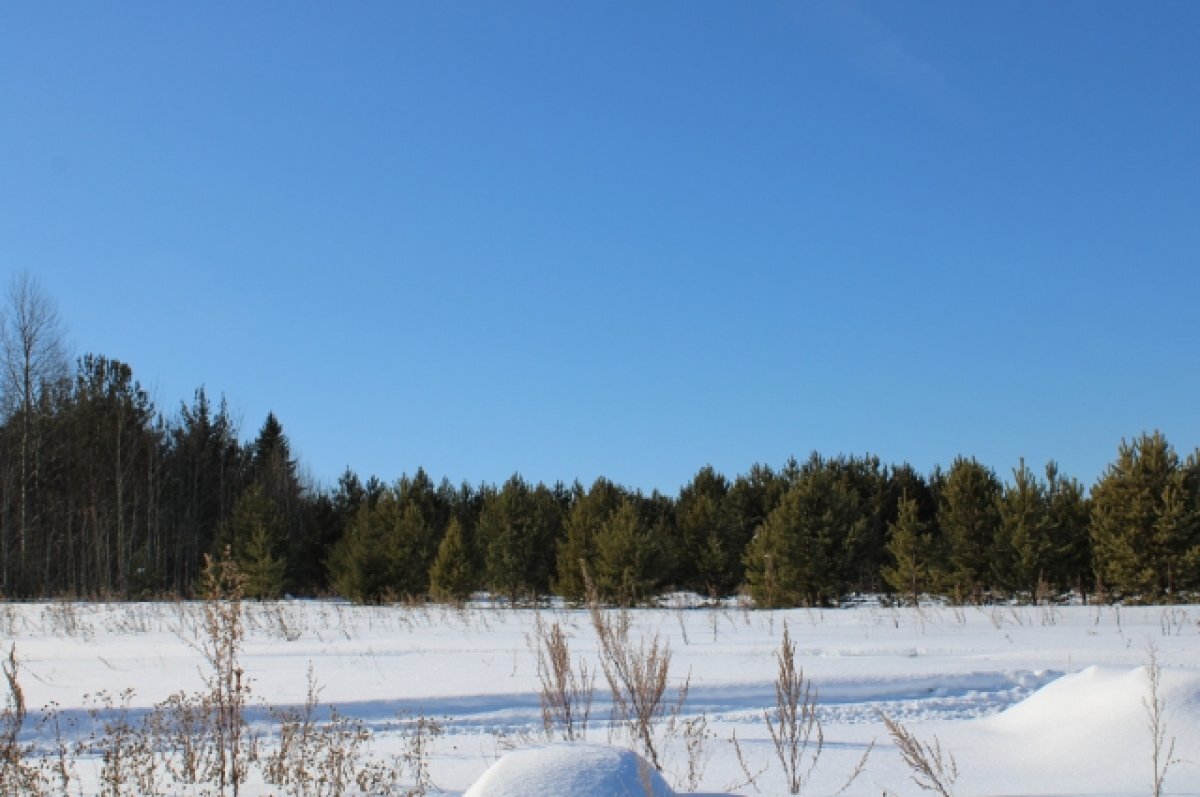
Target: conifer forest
104	494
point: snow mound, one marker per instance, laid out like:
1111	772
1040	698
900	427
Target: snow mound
571	770
1090	727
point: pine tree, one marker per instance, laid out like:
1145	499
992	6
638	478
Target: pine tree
1144	521
748	503
584	521
625	556
969	517
797	555
1026	548
701	514
1068	512
452	577
519	527
910	545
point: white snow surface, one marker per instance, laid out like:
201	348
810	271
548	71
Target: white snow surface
581	770
1029	700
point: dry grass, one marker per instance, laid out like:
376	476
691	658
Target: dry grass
793	723
1162	747
565	690
932	769
201	744
636	673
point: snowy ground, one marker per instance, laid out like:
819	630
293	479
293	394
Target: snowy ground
1030	701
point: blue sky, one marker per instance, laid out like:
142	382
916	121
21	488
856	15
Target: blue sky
573	239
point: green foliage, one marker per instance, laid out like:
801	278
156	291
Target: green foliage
749	501
1042	540
797	557
583	523
452	575
626	556
912	548
1024	546
386	552
253	536
519	527
1068	510
969	517
1144	521
707	559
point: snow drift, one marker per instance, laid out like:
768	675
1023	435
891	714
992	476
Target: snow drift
578	770
1090	728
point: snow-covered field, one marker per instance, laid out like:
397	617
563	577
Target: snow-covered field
1029	700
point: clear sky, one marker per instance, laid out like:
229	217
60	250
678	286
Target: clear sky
624	239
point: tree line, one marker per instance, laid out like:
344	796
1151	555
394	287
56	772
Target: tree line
102	494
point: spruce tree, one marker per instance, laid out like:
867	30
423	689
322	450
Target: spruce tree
254	536
363	563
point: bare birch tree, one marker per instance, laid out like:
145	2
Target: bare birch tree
34	359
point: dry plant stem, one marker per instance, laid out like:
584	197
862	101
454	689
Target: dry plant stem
793	724
16	777
858	770
932	769
636	674
415	756
128	764
696	735
221	646
13	718
1162	749
751	777
565	694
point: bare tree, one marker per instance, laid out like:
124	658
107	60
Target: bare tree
34	359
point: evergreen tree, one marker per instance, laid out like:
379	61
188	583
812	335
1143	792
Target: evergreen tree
969	517
1144	523
748	503
203	475
708	549
797	555
254	537
583	523
1068	510
362	563
519	527
911	546
413	548
1025	547
452	576
625	556
274	471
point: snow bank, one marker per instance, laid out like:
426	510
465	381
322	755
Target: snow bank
1089	729
577	770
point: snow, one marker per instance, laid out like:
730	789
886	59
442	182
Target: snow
1030	701
577	770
